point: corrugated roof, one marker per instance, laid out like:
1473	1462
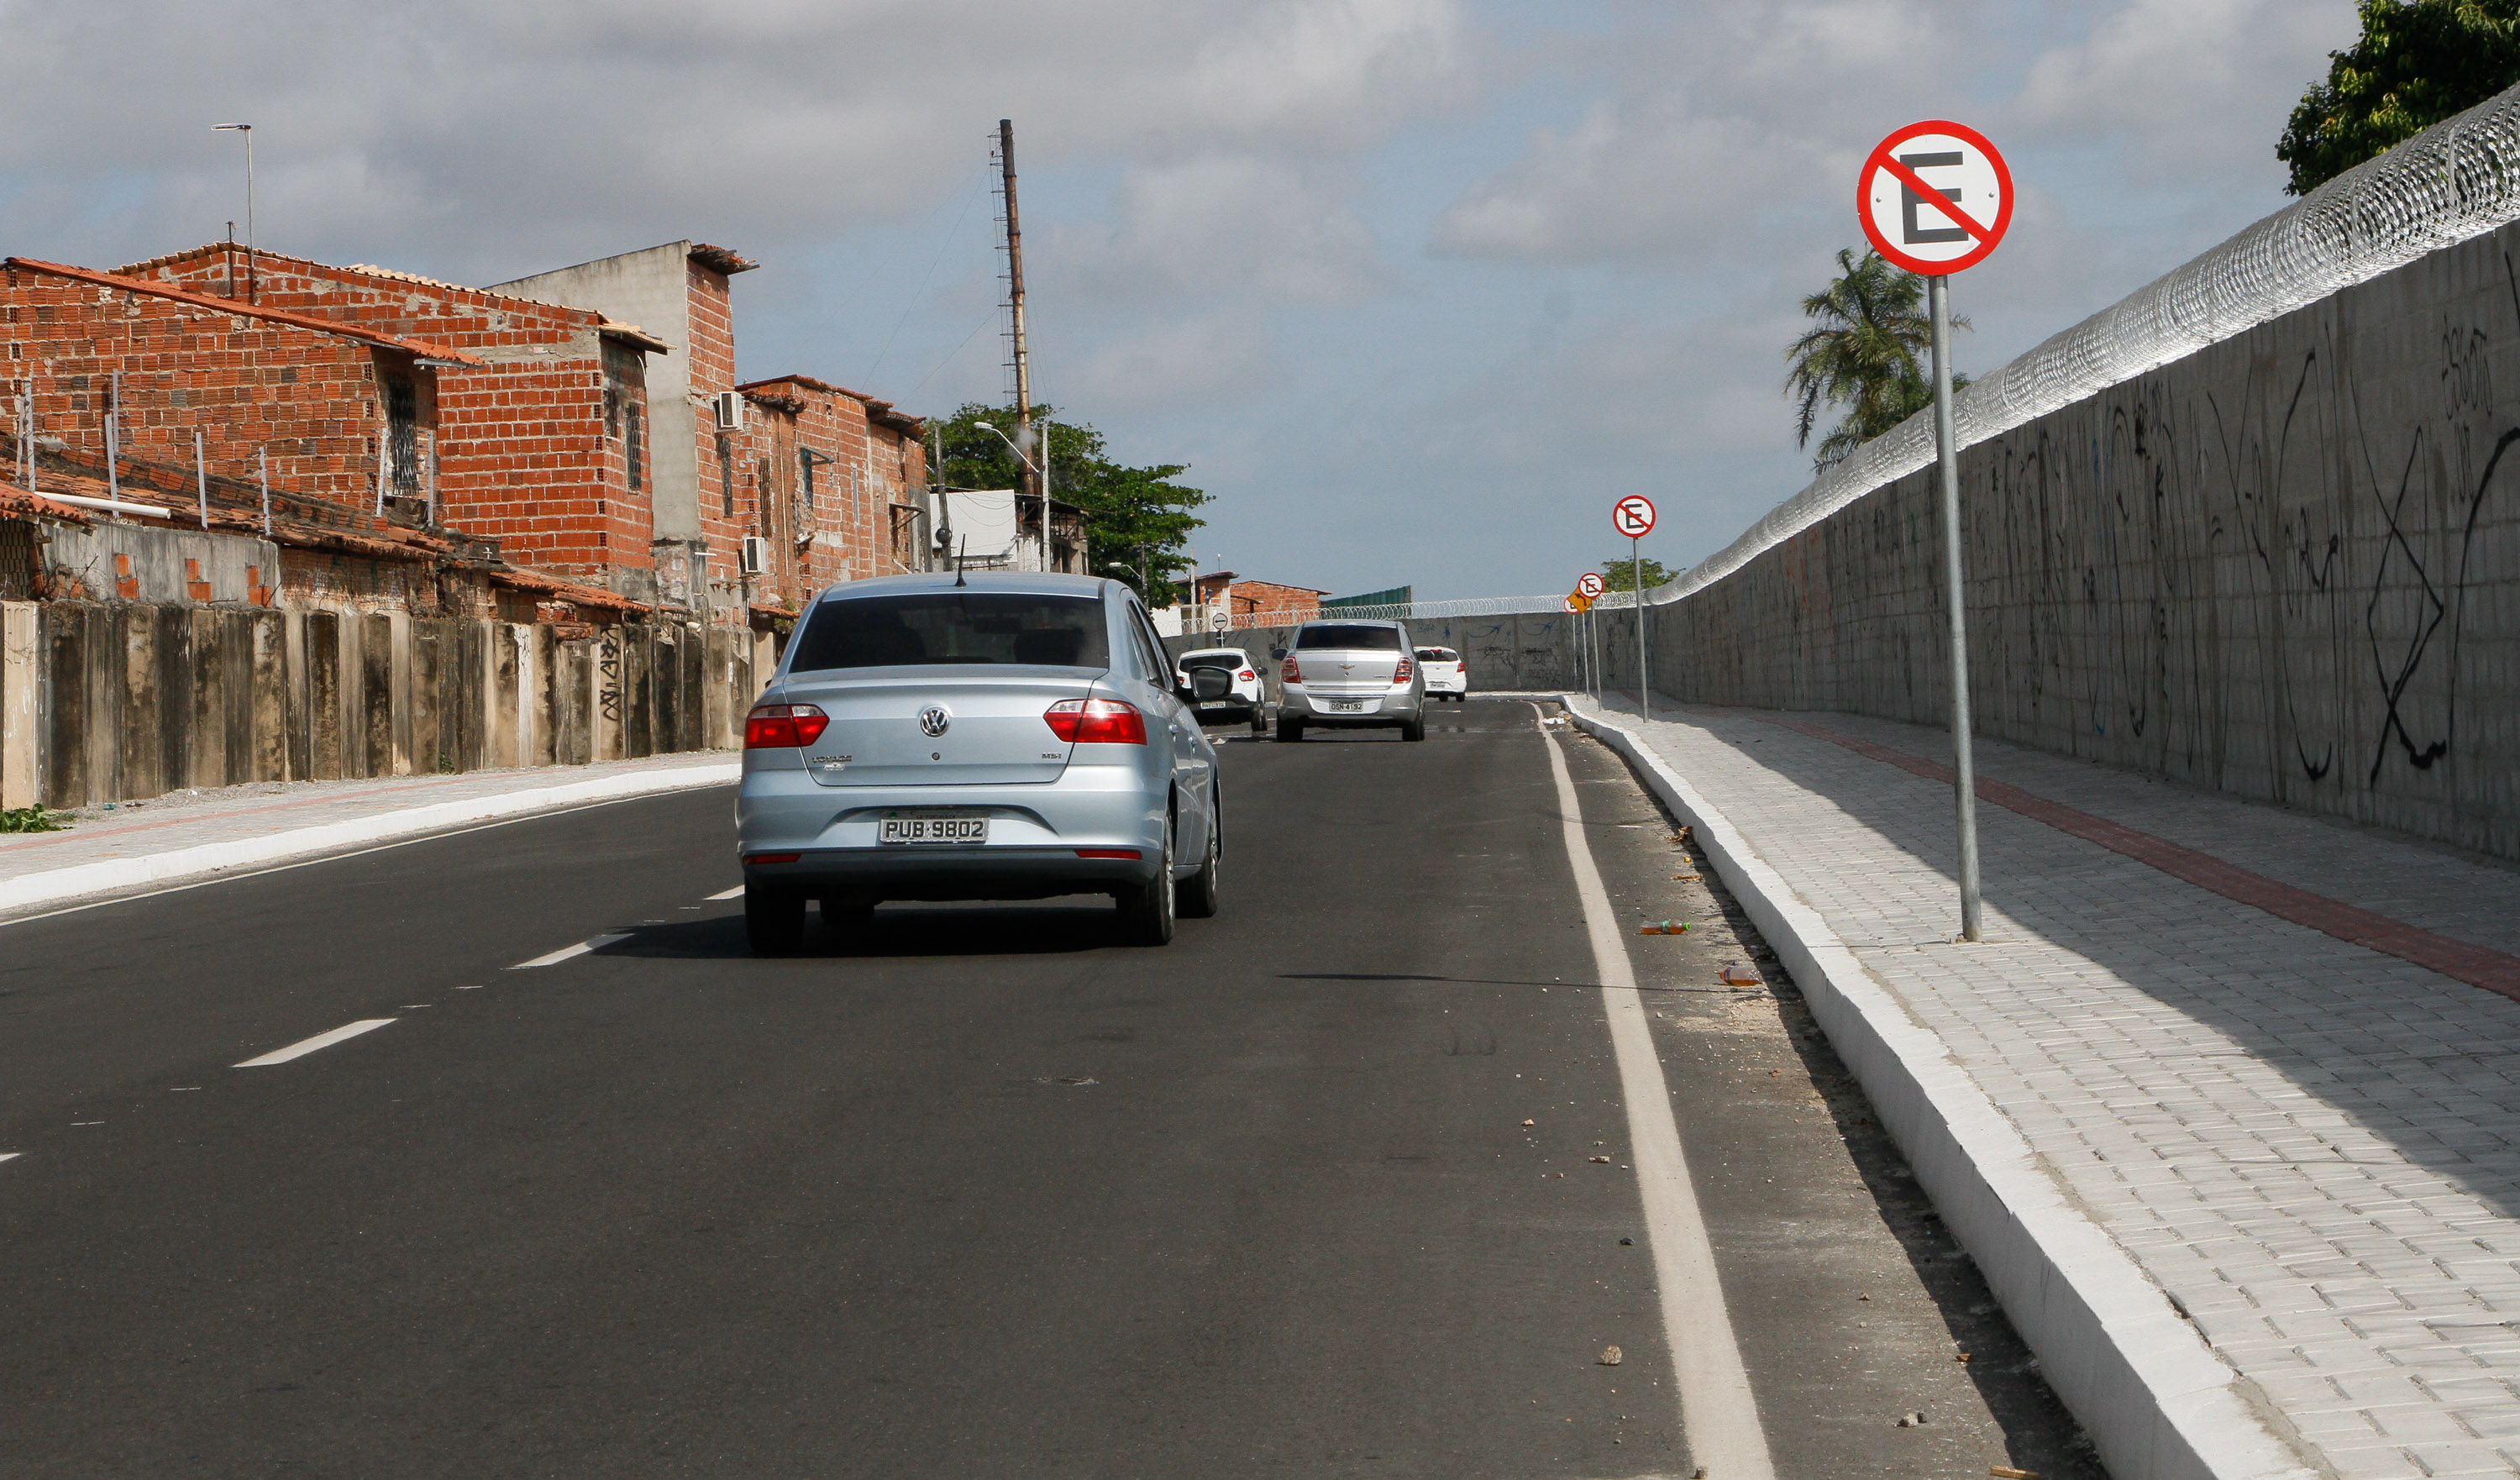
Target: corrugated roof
417	347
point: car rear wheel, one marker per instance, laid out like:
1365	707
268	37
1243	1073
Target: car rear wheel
1290	729
1413	730
774	921
1259	720
1197	898
1147	912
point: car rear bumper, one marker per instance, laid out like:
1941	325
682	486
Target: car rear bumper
1036	832
1384	709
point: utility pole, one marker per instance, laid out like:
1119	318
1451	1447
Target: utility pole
1024	478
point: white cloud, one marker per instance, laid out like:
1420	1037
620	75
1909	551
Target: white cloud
517	132
1172	361
1226	225
2176	76
1654	181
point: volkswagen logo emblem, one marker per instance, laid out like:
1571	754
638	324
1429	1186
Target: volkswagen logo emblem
933	721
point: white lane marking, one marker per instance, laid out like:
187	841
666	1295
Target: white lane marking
569	953
319	1041
735	893
1719	1416
11	1156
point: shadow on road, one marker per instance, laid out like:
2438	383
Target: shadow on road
907	930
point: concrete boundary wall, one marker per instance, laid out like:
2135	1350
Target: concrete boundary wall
123	702
2287	566
2156	1401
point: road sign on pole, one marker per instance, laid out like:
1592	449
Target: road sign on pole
1590	583
1936	198
1633	516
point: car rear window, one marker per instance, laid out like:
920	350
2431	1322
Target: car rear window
1222	658
1439	655
1343	635
955	627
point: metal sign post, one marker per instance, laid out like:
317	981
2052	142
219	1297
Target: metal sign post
1633	517
1935	228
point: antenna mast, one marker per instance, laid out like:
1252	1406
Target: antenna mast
1025	482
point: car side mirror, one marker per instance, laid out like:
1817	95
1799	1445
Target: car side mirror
1280	654
1207	684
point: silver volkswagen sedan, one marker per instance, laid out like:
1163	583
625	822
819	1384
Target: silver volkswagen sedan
987	736
1351	674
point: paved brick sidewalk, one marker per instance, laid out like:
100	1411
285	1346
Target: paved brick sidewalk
256	812
2312	1146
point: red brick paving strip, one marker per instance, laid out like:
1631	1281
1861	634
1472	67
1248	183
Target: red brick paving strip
2476	966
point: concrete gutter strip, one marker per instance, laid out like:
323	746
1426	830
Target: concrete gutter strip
112	875
2155	1399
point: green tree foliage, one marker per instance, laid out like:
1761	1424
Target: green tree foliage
2418	61
1620	574
1131	514
1868	349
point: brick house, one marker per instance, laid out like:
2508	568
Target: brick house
1250	602
679	292
826	480
542	445
116	367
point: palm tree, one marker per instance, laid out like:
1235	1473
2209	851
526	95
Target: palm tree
1868	352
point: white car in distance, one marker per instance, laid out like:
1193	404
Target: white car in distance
1246	702
1447	675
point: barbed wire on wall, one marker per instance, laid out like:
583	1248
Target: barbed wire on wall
2456	180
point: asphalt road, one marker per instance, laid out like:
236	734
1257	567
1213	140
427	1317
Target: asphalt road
983	1194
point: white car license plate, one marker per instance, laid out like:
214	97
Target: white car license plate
932	829
1347	706
1218	703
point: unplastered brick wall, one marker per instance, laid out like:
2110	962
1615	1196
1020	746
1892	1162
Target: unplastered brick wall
723	454
315	402
545	447
839	460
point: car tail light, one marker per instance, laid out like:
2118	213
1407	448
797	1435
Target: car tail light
1106	853
1097	722
774	727
1403	673
772	858
1246	675
1288	673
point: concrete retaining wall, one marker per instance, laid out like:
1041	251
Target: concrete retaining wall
2287	566
121	701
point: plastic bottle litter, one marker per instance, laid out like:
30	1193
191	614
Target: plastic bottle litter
2008	1472
1663	927
1741	976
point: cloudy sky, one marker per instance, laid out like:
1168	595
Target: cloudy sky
1417	287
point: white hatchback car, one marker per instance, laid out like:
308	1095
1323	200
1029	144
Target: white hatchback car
1246	701
1447	675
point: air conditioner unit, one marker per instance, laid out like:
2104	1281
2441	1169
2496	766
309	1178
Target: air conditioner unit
730	410
756	555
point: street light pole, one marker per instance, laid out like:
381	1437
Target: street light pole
1043	482
245	129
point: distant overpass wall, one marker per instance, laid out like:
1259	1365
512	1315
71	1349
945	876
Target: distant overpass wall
2282	561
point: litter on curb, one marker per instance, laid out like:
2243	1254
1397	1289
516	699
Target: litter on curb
1612	1356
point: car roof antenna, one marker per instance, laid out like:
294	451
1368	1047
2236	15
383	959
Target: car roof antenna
958	562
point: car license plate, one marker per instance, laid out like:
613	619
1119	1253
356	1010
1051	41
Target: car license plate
1347	706
932	829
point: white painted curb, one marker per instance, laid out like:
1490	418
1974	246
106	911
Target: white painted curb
2156	1401
112	875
